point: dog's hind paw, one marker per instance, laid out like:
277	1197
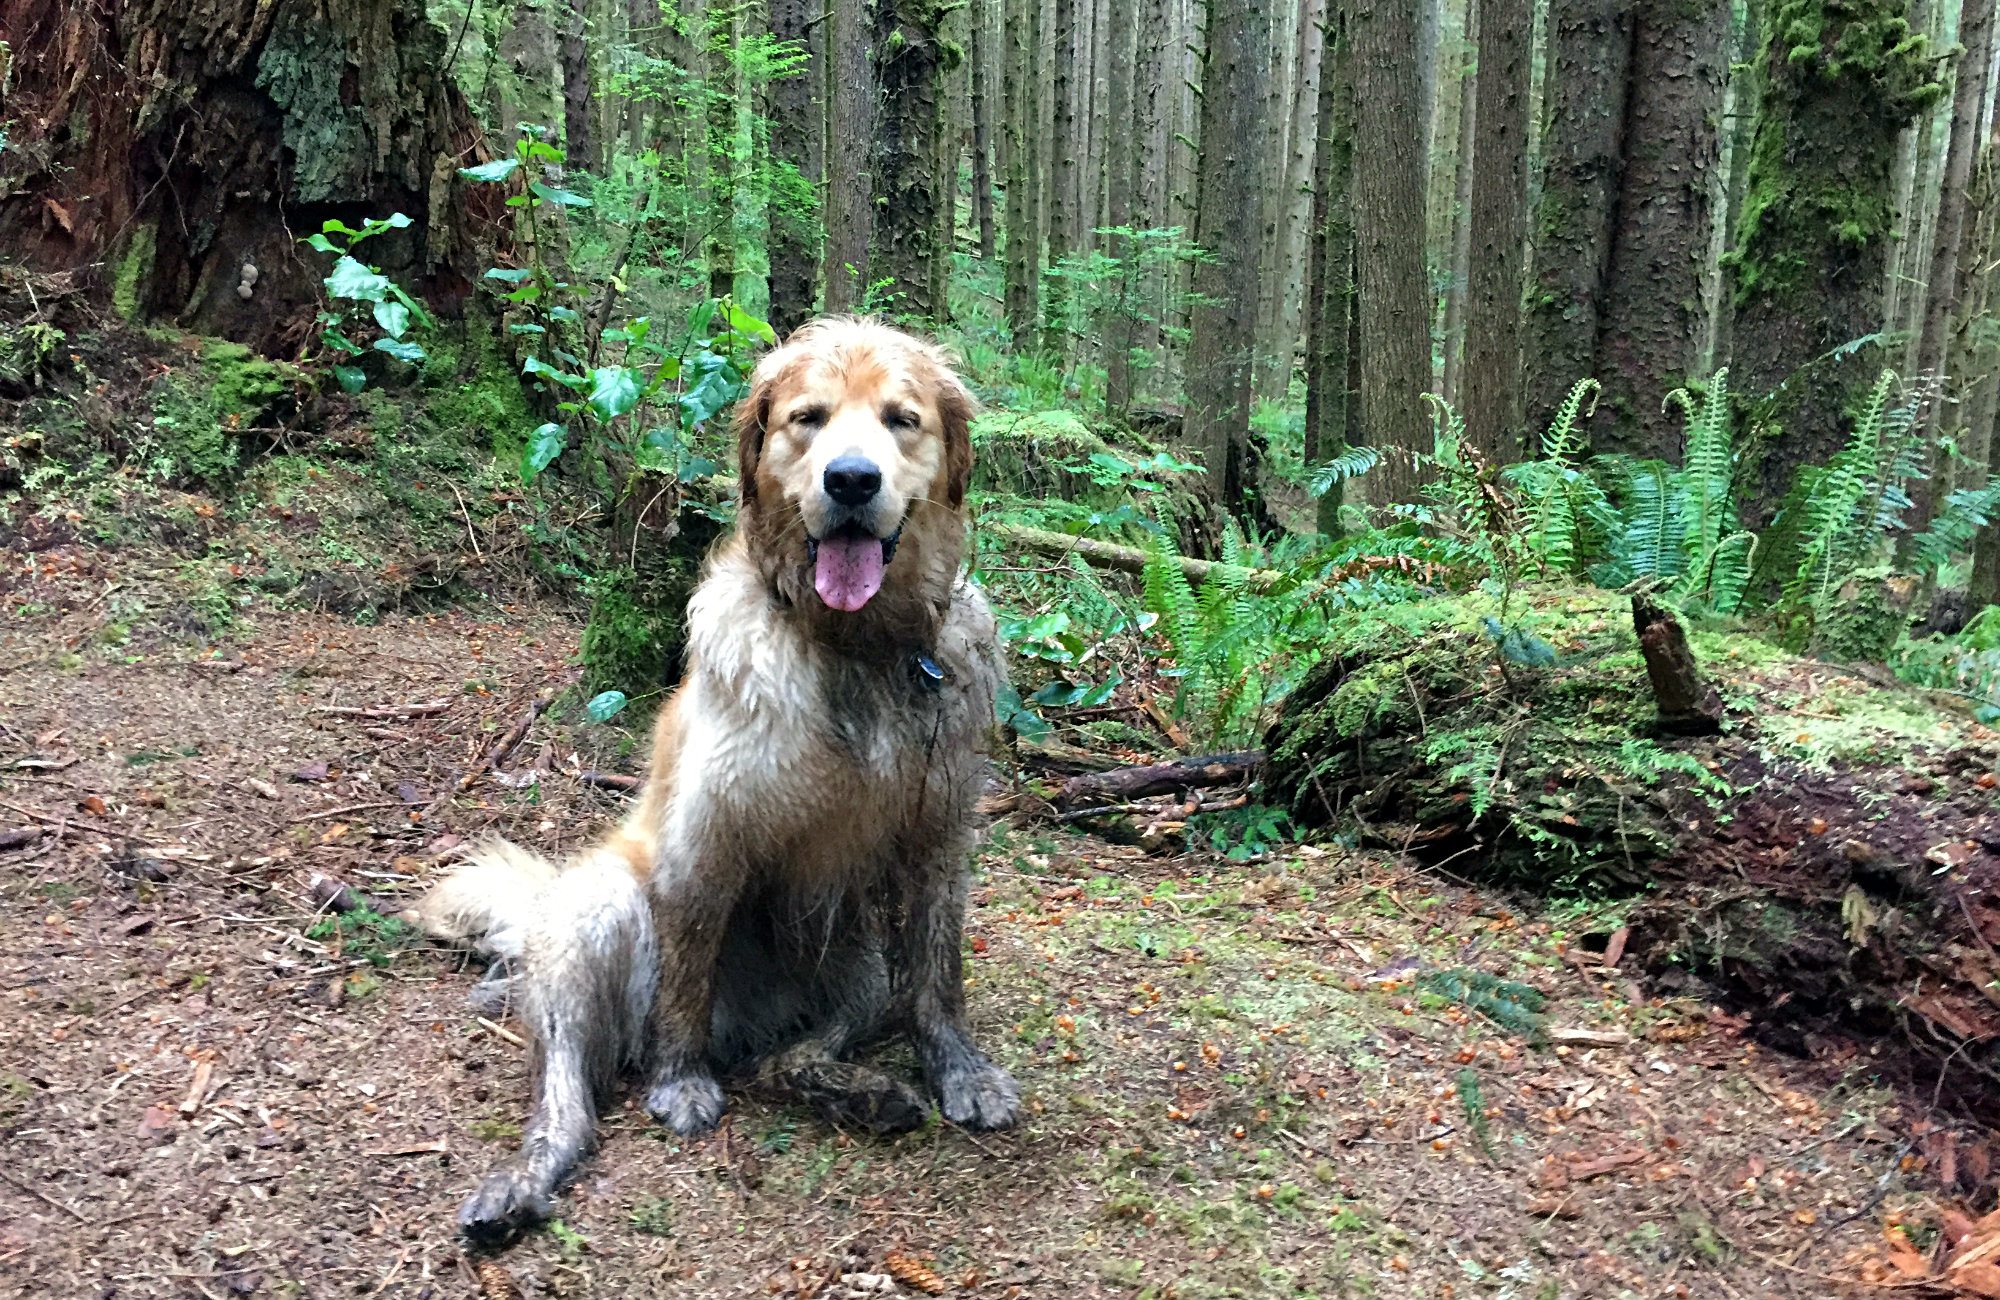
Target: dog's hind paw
689	1104
504	1204
979	1095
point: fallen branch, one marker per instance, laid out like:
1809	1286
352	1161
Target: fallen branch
334	895
1122	785
386	711
1125	559
507	742
20	838
611	781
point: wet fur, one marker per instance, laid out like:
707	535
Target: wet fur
790	883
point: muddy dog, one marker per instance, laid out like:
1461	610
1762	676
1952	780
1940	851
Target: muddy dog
790	883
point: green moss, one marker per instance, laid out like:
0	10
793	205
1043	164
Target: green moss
202	412
473	392
636	631
1838	82
134	266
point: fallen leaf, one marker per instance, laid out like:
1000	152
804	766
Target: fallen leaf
316	771
94	805
1580	1168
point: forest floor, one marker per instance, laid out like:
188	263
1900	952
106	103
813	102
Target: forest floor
1235	1083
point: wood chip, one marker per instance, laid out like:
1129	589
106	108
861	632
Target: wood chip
203	1072
1589	1037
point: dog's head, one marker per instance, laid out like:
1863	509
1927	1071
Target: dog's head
854	448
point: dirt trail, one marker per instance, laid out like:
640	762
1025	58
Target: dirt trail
1240	1080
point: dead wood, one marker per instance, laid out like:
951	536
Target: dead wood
1124	559
1688	704
1124	784
507	743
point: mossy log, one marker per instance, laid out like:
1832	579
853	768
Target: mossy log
1826	862
1109	555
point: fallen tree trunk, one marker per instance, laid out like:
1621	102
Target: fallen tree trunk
1124	559
1827	867
1124	784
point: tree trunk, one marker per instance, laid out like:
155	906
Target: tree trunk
1739	122
1063	189
1152	150
529	91
1650	337
1813	239
1330	277
908	63
794	131
1591	48
1288	271
579	127
173	146
1492	399
1023	238
1120	332
950	145
1920	221
1458	254
1908	209
1227	214
1942	300
850	100
981	71
1394	316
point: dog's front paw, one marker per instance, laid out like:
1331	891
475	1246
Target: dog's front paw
689	1104
979	1095
505	1203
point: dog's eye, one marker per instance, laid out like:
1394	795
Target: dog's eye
899	417
809	417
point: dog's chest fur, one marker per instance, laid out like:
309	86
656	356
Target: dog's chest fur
820	762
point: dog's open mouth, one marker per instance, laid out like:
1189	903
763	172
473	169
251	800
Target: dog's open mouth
848	564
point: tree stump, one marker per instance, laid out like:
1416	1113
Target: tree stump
1688	705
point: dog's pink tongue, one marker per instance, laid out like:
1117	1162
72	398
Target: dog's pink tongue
848	572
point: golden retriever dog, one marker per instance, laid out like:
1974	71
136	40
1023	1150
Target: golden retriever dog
790	883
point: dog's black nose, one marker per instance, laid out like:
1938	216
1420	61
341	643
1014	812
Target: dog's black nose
852	480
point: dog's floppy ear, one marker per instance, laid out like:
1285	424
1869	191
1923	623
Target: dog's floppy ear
956	407
752	413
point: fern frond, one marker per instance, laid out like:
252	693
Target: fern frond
1352	462
1562	442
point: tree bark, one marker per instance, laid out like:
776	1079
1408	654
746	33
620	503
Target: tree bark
1739	124
1941	302
1687	704
908	64
172	145
1394	314
795	131
849	184
1063	192
1295	231
1330	276
579	128
1649	340
1812	244
1458	254
1023	237
981	71
1591	48
1120	331
1492	399
1226	227
1153	150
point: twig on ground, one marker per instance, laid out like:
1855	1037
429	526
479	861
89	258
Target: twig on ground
508	741
386	711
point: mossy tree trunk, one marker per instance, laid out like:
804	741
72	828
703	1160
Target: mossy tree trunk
173	144
850	127
1024	245
1491	399
1838	82
910	61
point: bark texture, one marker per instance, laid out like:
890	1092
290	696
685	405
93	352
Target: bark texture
1838	81
1650	336
850	129
1023	229
1330	273
795	133
1492	398
1229	212
175	144
1591	50
909	63
982	74
1394	314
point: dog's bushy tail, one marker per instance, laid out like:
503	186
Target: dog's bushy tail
488	902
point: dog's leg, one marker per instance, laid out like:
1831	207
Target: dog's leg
588	971
971	1090
691	908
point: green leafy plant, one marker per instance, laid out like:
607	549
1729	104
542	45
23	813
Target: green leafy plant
364	302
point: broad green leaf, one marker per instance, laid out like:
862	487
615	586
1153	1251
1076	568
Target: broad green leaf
339	342
605	707
563	313
497	170
396	221
350	378
744	323
614	390
537	366
526	329
557	195
700	403
545	443
698	467
321	243
400	349
417	310
335	226
351	279
699	318
508	274
658	450
393	317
